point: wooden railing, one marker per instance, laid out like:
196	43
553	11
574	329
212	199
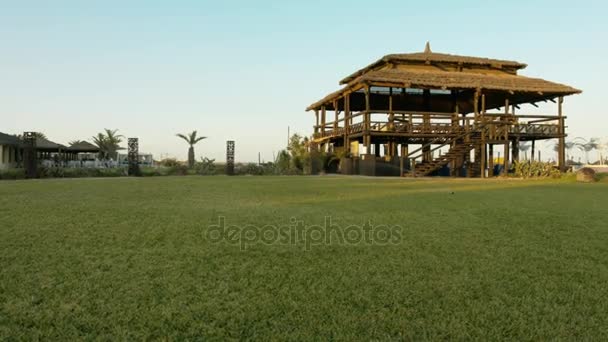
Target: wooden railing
498	126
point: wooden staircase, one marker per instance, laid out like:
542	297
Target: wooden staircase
459	147
457	150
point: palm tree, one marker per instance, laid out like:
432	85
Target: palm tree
108	143
100	141
192	140
113	141
587	146
569	145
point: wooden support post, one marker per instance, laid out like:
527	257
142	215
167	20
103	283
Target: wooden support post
515	150
562	136
336	116
391	114
413	167
533	150
506	141
367	122
491	161
476	104
316	121
346	123
323	119
426	99
405	151
483	155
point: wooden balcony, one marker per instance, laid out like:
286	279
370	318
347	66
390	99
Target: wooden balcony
435	125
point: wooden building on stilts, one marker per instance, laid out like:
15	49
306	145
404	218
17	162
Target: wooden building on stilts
422	113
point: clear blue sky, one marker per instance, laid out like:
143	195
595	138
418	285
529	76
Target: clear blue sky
245	70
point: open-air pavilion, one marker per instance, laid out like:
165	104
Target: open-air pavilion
465	105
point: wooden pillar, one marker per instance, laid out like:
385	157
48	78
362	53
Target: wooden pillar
491	160
367	122
316	121
405	151
562	136
323	119
336	116
391	114
515	150
426	99
476	104
506	141
533	149
484	153
346	123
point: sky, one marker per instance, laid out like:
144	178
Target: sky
246	70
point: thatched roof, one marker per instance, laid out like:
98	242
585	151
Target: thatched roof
9	140
83	146
453	80
44	144
466	80
433	57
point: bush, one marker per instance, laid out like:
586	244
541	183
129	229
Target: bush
150	172
535	169
206	167
178	170
170	162
12	174
60	172
255	169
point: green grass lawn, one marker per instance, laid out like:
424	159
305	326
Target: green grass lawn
123	258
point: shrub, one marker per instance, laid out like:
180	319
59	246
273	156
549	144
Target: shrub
178	170
150	172
170	162
535	169
205	167
12	174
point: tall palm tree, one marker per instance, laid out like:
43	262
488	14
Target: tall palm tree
113	141
192	140
100	141
108	143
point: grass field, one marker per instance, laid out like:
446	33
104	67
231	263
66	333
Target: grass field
132	259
